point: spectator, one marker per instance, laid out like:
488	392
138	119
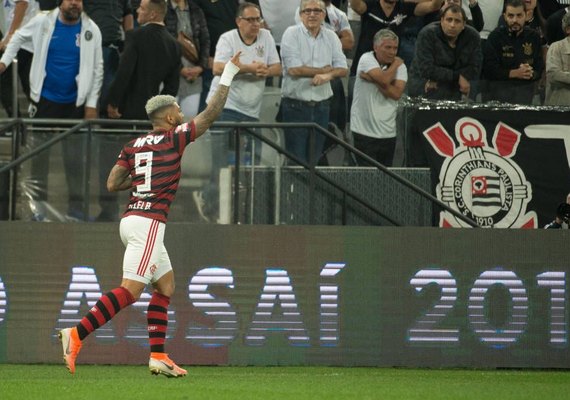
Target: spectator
512	58
337	21
140	76
259	60
186	21
448	58
380	82
65	81
533	19
558	69
113	17
392	14
16	13
220	17
312	57
476	21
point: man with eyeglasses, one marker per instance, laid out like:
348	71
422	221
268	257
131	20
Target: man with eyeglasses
312	56
337	21
220	18
259	60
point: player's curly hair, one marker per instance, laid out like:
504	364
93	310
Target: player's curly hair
158	103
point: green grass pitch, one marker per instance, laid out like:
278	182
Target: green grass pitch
102	382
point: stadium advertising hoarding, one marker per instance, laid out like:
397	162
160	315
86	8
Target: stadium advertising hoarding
266	295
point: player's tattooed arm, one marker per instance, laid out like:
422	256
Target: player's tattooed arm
215	106
119	179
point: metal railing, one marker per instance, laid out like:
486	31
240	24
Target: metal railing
311	166
238	129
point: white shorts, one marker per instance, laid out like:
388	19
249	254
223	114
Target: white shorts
146	259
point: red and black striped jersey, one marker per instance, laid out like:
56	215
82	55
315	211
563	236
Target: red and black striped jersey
154	163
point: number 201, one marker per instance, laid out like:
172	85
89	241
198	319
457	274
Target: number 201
425	329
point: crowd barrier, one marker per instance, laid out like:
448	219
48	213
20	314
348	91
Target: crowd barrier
500	165
271	191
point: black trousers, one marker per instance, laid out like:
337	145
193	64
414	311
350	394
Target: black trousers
382	150
73	155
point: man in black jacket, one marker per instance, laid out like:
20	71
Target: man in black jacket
512	58
447	59
113	17
151	57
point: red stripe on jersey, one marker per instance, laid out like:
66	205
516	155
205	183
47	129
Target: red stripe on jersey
149	247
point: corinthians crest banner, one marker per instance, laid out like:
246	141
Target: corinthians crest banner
503	167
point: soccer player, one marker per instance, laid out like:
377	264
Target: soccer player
149	166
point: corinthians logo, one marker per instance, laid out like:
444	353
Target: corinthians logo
481	182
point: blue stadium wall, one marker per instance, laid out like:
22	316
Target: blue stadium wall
292	295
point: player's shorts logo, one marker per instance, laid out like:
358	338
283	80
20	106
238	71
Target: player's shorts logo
481	182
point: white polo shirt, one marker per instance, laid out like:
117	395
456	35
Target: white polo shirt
372	114
246	92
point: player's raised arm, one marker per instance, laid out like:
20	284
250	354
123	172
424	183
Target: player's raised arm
216	103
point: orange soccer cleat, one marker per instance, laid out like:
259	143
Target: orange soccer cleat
71	346
159	363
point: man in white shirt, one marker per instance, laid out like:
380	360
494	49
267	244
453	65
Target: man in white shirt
312	56
380	82
259	60
337	21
